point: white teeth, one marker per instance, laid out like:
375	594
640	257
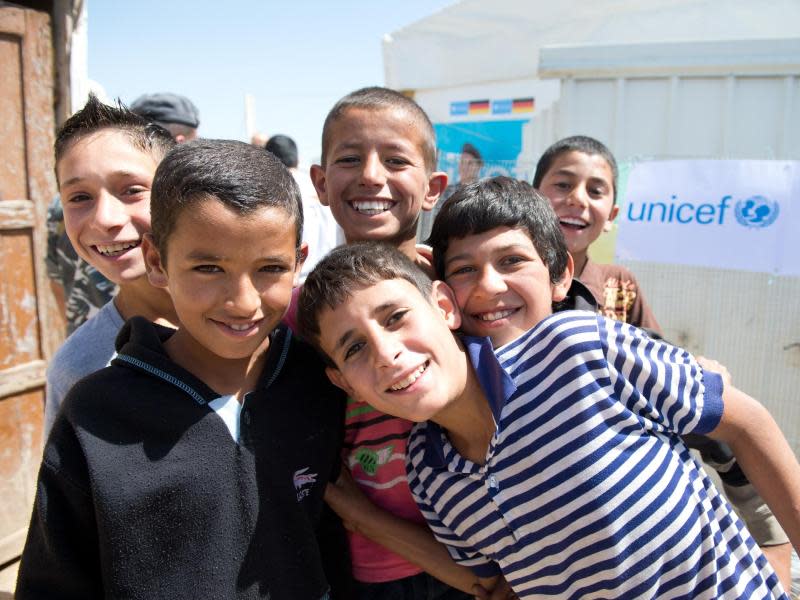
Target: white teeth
494	316
115	249
400	385
571	221
240	326
371	207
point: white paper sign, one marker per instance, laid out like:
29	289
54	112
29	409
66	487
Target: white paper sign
731	214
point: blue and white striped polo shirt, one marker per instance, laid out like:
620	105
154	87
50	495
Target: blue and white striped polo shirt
587	491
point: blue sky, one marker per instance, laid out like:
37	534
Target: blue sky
297	58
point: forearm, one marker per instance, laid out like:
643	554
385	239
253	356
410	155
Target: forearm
765	457
412	541
780	558
415	543
763	526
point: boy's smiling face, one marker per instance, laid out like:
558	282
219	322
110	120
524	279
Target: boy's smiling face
580	188
230	277
395	350
501	285
375	179
105	182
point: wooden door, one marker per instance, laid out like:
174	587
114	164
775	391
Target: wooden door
30	326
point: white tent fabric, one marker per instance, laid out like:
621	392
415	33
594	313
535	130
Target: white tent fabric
478	41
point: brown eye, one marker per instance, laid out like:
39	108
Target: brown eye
353	349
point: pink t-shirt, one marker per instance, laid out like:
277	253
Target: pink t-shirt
375	452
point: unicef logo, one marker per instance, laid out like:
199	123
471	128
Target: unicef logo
757	212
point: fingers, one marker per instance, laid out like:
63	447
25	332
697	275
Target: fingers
709	364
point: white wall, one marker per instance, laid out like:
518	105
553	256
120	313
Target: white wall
733	100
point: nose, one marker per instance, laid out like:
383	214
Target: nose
578	196
373	173
109	211
244	298
491	282
387	349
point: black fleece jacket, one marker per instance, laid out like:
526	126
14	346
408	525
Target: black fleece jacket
144	493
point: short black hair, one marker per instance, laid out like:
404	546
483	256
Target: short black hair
96	116
575	143
241	176
481	206
343	271
380	98
284	148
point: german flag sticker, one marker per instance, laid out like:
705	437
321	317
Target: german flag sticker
479	107
520	105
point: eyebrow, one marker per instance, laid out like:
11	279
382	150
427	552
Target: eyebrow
342	341
567	172
467	255
78	179
203	255
358	144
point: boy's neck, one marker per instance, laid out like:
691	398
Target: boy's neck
469	421
139	298
228	377
580	260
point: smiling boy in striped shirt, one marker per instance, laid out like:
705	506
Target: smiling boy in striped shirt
547	452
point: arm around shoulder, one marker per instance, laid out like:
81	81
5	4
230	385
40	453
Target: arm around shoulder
412	541
764	455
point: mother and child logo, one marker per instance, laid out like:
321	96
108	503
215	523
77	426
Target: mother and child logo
757	212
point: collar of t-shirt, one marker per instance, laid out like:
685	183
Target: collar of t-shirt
496	384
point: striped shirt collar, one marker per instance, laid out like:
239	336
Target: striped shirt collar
497	386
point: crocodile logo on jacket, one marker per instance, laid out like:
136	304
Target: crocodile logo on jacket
303	482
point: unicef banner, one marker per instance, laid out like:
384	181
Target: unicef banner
742	215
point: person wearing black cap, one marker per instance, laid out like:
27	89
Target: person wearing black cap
175	113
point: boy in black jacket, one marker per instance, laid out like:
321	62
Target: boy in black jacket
195	464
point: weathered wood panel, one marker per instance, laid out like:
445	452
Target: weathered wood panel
19	335
20	454
37	84
30	328
13	170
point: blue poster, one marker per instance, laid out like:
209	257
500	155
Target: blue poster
499	144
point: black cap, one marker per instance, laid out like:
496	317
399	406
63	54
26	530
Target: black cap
167	108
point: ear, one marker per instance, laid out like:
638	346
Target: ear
561	288
611	216
444	298
337	379
180	138
301	258
437	183
320	184
156	272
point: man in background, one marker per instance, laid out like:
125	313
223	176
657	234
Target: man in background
469	165
175	113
